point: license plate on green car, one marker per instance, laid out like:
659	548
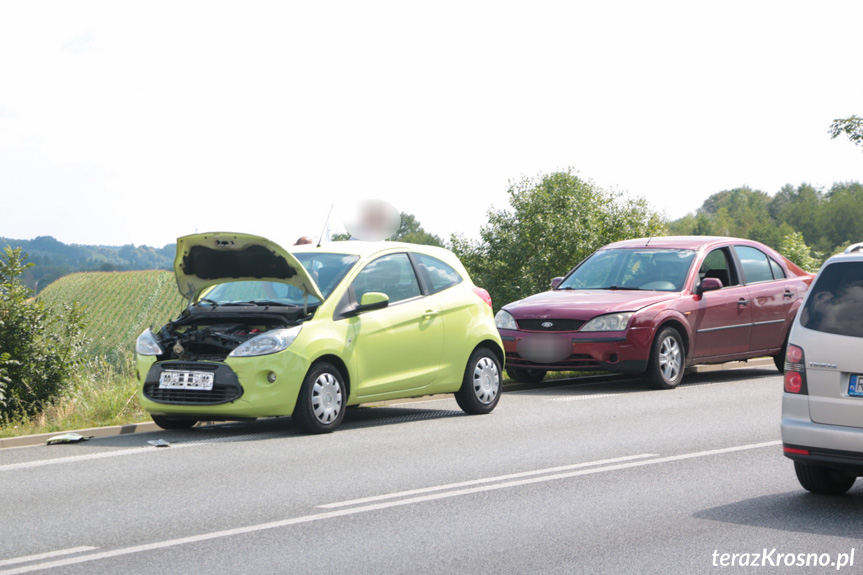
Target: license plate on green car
172	379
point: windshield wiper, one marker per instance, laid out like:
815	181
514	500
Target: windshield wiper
209	301
622	288
270	302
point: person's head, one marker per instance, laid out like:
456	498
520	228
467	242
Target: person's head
303	240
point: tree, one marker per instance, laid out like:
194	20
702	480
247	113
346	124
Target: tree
554	222
851	127
40	349
795	249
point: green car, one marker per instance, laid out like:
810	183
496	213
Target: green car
310	331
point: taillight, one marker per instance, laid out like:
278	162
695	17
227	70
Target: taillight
795	371
483	295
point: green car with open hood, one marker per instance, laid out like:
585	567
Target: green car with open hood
310	331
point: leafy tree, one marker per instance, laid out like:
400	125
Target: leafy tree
838	218
851	127
40	349
554	222
795	249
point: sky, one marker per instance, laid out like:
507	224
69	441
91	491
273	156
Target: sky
139	122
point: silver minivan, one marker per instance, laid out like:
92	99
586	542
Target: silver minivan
822	407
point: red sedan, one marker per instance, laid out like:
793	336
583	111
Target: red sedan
654	306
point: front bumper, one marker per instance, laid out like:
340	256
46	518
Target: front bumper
241	388
617	352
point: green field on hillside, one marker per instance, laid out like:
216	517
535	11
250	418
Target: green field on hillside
118	306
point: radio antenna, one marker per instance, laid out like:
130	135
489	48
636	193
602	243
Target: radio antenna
326	225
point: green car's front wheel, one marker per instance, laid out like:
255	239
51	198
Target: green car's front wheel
480	388
321	404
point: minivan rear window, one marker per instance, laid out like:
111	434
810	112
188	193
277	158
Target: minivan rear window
835	304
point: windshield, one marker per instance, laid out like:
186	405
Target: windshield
325	268
632	269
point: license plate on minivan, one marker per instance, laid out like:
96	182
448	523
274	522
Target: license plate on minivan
855	386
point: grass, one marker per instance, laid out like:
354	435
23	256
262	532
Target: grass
103	395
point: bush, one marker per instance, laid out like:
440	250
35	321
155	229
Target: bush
40	349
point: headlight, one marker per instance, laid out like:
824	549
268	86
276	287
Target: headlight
266	343
503	320
609	322
147	344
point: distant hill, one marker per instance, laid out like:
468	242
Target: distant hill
118	305
54	259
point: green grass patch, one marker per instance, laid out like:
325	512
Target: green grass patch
103	394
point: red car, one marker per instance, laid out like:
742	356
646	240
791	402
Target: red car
654	306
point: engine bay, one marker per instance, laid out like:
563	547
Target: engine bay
208	334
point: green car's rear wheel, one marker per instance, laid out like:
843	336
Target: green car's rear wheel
480	388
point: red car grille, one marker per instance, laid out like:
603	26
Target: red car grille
556	324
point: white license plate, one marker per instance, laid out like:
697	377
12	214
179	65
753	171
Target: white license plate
170	379
855	386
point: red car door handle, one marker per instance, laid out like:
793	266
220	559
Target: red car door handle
787	294
742	302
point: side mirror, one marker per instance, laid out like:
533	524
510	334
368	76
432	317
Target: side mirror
709	284
556	282
371	301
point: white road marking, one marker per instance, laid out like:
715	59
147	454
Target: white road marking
372	507
48	555
74	458
483	480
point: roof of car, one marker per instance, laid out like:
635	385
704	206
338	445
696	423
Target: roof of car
361	248
679	242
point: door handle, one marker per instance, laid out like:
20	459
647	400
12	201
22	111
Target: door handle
742	302
787	294
429	313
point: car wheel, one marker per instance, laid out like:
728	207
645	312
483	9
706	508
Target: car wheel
667	358
525	374
172	423
480	388
822	480
321	404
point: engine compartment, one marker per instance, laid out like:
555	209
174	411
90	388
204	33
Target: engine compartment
207	334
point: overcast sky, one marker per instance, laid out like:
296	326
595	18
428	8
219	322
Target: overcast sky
138	122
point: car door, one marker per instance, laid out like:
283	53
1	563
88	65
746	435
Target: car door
771	297
398	347
722	319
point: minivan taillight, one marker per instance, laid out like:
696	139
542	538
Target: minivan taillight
795	371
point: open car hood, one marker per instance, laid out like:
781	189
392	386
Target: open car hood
204	260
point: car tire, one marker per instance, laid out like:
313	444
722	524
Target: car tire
321	404
667	359
172	423
481	386
822	480
525	374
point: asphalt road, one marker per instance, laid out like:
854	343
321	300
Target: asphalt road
592	479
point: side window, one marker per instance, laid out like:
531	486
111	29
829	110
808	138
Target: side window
778	272
716	266
393	275
835	303
436	274
754	262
